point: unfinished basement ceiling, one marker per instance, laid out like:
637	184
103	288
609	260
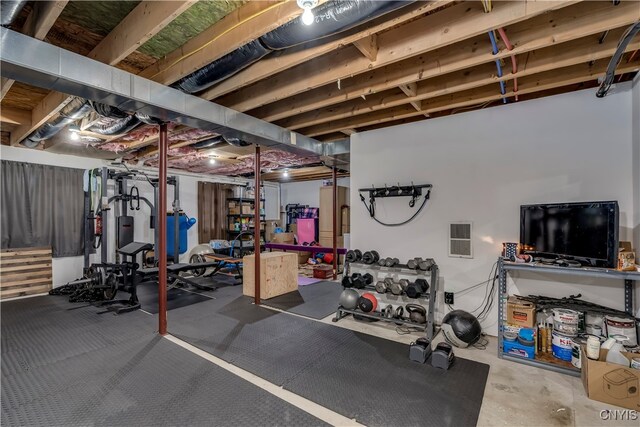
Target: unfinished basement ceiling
424	60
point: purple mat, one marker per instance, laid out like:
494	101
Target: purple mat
304	281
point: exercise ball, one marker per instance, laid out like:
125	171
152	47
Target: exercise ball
349	299
367	302
461	328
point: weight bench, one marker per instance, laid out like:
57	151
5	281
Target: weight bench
173	272
221	261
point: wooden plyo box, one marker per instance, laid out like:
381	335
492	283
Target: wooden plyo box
278	274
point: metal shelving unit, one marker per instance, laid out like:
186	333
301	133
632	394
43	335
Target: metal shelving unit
628	277
432	278
233	234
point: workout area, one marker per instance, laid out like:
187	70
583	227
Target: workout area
320	212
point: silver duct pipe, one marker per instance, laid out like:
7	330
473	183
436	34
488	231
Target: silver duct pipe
9	11
40	64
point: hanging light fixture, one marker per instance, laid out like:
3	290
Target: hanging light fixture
307	15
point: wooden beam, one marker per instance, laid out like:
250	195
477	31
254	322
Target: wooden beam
410	89
296	56
142	23
47	108
368	46
536	83
443	28
15	116
118	43
348	132
564	55
547	30
241	26
37	25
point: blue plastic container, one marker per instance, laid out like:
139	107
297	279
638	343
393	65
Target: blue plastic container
184	225
516	349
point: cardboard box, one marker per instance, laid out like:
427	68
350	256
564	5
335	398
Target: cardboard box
626	257
283	238
520	312
611	383
247	210
234	210
303	257
269	230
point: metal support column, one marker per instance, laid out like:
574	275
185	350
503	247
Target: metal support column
162	232
256	226
335	223
104	242
502	295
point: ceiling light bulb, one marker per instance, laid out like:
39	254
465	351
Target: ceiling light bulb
212	161
285	173
75	136
307	17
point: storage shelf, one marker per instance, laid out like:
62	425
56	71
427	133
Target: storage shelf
342	312
575	271
244	200
556	366
398	268
245	216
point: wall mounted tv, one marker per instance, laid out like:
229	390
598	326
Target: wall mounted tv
586	232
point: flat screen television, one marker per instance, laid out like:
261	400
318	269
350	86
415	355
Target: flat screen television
586	232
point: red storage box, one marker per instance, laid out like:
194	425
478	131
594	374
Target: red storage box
323	272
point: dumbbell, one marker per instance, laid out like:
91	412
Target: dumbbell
360	281
354	256
413	263
381	262
390	262
347	282
370	257
381	287
426	265
398	287
417	288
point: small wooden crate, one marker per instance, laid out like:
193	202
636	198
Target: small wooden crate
278	274
323	272
25	272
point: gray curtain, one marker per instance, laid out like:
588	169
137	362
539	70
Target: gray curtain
42	206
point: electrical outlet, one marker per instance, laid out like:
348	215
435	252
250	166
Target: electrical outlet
448	298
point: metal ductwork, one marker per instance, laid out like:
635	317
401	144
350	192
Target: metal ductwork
331	18
43	65
75	110
9	11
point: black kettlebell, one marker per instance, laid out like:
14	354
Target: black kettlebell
417	313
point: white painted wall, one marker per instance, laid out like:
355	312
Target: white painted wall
484	165
70	268
305	192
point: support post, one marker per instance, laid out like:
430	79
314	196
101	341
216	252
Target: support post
176	220
335	223
104	215
256	226
162	231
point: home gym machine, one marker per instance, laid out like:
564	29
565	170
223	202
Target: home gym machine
102	280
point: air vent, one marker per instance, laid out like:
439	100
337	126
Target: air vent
460	240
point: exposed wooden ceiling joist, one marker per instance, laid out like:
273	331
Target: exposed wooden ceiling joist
534	83
563	55
243	25
14	116
37	25
420	36
540	32
278	63
118	44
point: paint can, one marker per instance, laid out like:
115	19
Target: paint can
565	321
561	346
594	318
592	329
576	343
635	363
621	326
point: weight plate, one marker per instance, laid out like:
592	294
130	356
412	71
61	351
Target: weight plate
111	284
196	259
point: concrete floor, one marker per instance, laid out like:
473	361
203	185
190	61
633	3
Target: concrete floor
516	394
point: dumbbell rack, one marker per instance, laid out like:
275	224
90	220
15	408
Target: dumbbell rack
431	275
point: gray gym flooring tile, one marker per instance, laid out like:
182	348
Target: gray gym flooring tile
316	301
357	375
65	364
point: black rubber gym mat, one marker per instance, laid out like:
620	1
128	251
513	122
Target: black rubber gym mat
176	297
316	301
64	365
357	375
